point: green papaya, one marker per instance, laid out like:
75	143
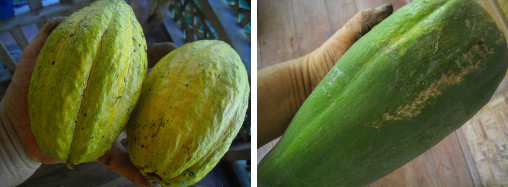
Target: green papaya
403	87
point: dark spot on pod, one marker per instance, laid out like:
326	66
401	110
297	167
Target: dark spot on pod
218	76
191	174
133	38
124	79
139	45
162	76
128	110
146	166
481	44
85	113
150	89
143	146
134	50
75	121
170	107
102	136
71	35
82	128
187	85
53	63
90	137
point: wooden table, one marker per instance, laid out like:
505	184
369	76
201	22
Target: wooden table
474	155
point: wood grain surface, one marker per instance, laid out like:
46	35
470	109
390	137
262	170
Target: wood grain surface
474	155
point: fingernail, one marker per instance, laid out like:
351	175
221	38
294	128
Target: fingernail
385	7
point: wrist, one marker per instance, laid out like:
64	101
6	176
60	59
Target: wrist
15	165
317	63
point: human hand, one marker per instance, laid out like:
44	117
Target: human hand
321	60
14	107
282	88
15	100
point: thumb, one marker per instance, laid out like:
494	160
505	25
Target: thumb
158	50
117	159
371	17
354	29
324	58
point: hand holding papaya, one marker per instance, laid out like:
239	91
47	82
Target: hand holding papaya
399	90
282	88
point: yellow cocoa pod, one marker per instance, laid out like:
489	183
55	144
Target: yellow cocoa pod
191	107
86	81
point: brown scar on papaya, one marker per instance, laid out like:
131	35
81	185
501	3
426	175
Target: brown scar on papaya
437	44
415	107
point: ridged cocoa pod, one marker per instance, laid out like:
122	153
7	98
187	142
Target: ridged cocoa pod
191	107
86	81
